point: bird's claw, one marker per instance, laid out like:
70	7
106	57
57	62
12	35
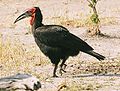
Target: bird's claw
61	71
55	75
64	66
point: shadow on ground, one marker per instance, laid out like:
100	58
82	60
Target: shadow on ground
92	75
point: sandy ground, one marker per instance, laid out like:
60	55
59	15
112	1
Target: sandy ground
108	45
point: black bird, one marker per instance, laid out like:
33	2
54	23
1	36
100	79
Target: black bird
55	41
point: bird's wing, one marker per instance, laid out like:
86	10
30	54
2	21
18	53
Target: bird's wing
61	38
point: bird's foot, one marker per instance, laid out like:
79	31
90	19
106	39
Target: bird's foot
61	71
54	75
64	66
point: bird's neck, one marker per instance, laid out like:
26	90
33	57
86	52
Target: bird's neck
35	25
36	21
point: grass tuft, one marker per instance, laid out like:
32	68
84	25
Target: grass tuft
15	58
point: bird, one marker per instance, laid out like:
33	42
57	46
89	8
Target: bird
55	41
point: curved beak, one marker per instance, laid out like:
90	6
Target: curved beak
22	16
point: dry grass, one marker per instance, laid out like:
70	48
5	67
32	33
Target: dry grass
85	22
79	84
105	67
15	58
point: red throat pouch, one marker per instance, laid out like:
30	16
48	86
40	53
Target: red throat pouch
32	19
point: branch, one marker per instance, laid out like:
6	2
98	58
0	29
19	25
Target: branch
20	82
97	0
89	1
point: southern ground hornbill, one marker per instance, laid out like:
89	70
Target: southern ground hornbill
55	41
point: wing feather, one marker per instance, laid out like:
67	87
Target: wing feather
60	37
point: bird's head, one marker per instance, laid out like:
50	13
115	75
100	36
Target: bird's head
29	13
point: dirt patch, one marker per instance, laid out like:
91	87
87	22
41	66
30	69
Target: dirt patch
20	54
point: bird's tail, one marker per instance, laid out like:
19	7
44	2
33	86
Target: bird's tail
98	56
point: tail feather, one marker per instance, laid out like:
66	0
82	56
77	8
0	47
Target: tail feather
98	56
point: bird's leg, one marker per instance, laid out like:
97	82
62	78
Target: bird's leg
64	66
61	66
54	72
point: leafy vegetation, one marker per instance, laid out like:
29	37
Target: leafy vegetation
94	30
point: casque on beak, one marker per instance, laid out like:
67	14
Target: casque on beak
22	16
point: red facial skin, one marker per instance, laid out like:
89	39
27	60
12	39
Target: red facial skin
33	15
32	19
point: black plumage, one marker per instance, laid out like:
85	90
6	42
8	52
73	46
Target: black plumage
55	41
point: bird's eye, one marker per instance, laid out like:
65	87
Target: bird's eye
31	10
